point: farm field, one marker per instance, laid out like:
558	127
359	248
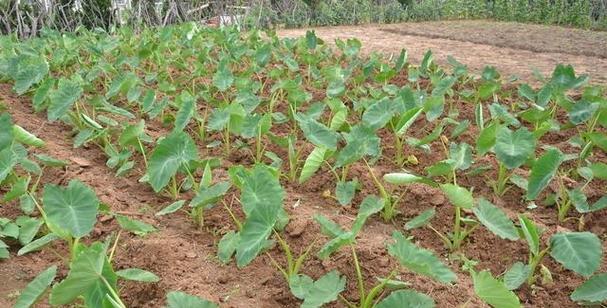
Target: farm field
514	48
254	171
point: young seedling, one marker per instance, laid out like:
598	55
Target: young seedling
513	149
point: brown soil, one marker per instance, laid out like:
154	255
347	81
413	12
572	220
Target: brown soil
515	49
184	257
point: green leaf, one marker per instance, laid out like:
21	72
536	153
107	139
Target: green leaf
370	205
599	170
516	275
312	163
223	78
421	219
344	191
378	114
599	139
178	299
51	161
513	148
61	100
185	112
543	171
135	226
361	141
136	274
594	290
341	240
73	208
458	196
31	71
406	299
582	111
580	252
324	290
328	227
495	220
208	195
461	155
404	178
531	233
6	131
86	278
486	139
419	260
36	288
37	244
131	134
300	285
493	291
27	138
28	228
176	150
227	246
261	198
407	119
171	208
316	132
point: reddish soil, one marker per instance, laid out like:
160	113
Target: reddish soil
184	257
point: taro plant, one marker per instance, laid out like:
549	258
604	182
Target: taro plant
580	252
513	149
91	277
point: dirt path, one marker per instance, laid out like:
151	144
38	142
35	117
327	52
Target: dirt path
515	49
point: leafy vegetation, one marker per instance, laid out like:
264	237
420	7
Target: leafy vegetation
218	118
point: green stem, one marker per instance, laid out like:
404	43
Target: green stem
145	159
535	261
457	232
359	275
113	292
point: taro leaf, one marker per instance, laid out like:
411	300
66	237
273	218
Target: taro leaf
500	112
319	292
136	274
73	209
543	171
406	299
421	219
37	244
378	114
300	285
131	134
208	195
594	290
461	155
36	288
458	196
434	106
344	191
599	170
370	205
62	99
407	119
328	227
495	220
261	198
563	78
426	62
51	161
135	226
404	178
316	132
4	253
6	131
175	150
361	141
599	139
527	92
41	95
227	246
531	233
580	252
513	148
28	228
312	163
31	71
486	139
178	299
223	78
419	260
171	208
516	275
443	86
493	291
401	61
582	111
89	272
185	112
335	244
